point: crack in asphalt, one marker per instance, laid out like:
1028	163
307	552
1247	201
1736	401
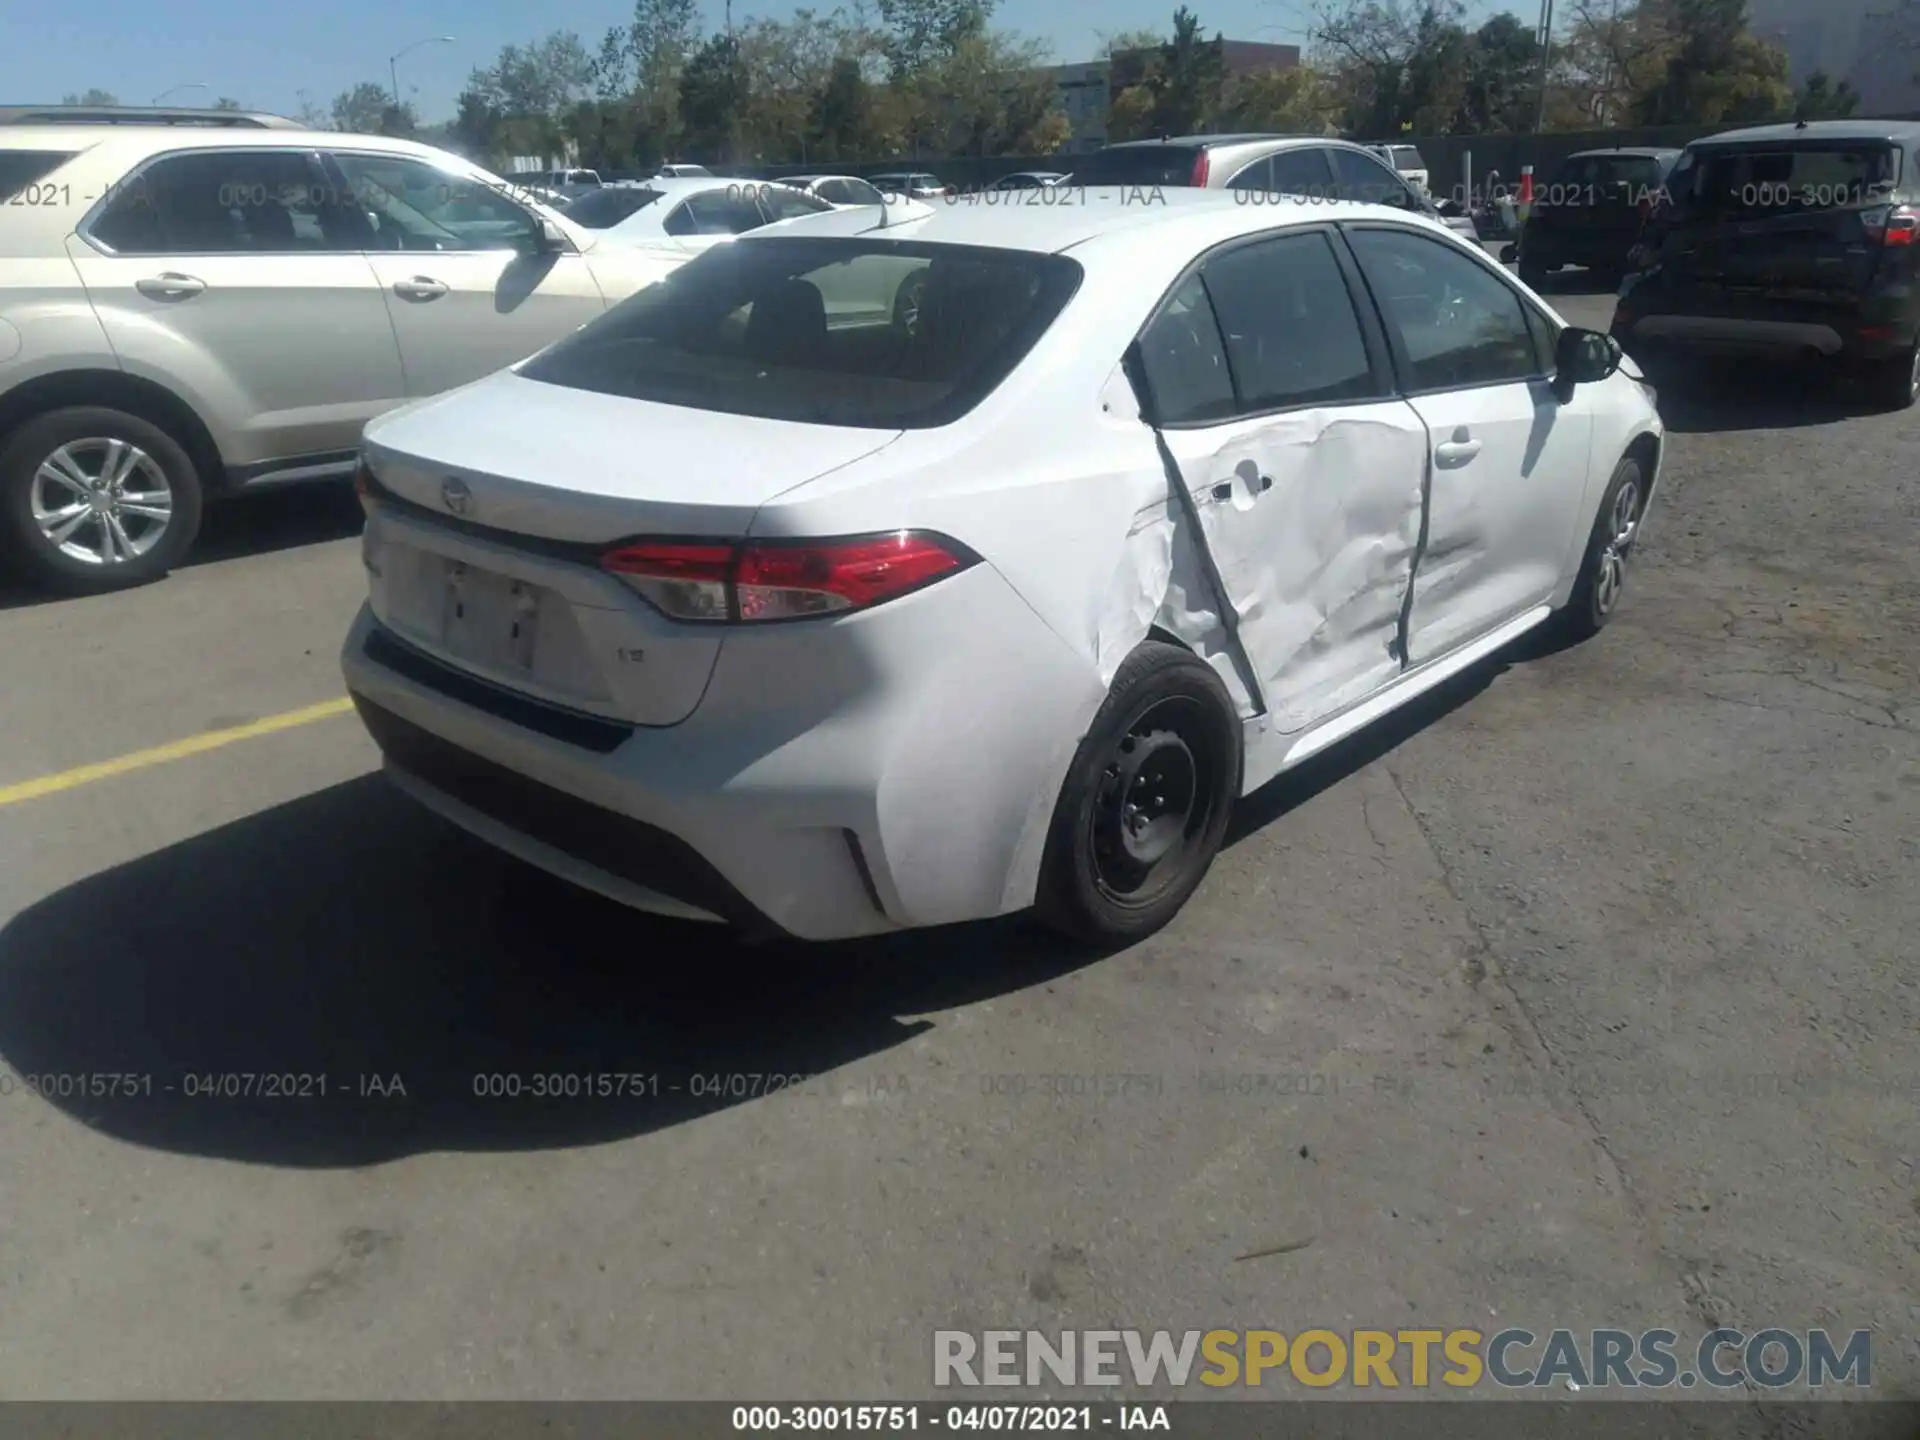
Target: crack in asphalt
1691	1284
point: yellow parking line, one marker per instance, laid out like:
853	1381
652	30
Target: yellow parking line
173	750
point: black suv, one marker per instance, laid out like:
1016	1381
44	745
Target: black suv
1590	212
1794	241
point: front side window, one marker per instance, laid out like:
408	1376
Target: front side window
413	205
744	330
1184	360
224	202
856	192
1291	332
1457	323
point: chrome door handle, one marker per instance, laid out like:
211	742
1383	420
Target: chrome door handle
170	285
420	287
1457	451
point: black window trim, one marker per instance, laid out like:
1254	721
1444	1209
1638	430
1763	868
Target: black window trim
1373	335
332	154
99	208
1402	363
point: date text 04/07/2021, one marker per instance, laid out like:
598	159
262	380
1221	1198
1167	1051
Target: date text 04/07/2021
1082	1419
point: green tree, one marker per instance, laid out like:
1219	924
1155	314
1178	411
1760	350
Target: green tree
1821	99
226	102
363	110
713	95
1717	69
923	34
92	97
1293	101
1500	93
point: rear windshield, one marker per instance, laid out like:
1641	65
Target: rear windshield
827	331
1758	181
1145	165
1405	157
20	168
1634	173
607	206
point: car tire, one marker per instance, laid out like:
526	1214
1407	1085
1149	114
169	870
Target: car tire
139	532
1603	568
1146	803
1895	384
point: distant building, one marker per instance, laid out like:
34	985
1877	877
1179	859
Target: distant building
1851	40
1085	89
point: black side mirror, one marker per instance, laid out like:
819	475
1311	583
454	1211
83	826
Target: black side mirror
1584	357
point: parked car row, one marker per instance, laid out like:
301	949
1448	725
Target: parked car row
145	366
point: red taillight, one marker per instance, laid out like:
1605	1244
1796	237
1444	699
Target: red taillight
706	582
1202	166
1892	224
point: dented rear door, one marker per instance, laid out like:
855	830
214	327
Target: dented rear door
1304	470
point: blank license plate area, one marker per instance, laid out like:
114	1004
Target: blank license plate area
487	618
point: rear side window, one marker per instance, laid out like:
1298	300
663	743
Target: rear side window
1146	165
1291	333
1360	177
913	336
211	202
1185	360
781	203
21	169
608	206
715	212
1756	182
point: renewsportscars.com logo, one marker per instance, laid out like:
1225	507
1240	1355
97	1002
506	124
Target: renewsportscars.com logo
1415	1359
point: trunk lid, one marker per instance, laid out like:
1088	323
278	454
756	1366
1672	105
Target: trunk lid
493	504
555	463
1784	220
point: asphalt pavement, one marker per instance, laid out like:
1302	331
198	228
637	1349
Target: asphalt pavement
1584	995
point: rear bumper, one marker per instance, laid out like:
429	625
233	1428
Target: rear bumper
904	777
1649	320
1597	249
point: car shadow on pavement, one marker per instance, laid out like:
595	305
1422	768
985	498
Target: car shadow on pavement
350	934
391	976
277	520
1706	398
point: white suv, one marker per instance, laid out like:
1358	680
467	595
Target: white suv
189	312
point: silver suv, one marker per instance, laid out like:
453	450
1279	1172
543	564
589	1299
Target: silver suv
191	311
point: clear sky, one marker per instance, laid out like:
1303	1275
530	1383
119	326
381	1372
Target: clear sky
265	54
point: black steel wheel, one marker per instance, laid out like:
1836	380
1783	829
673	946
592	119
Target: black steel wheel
1146	802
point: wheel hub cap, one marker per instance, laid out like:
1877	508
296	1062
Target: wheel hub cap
1623	522
101	501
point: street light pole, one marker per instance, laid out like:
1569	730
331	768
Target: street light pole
190	85
393	61
1546	50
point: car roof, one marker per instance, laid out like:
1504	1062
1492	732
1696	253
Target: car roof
138	140
1906	132
1209	141
1625	152
1109	211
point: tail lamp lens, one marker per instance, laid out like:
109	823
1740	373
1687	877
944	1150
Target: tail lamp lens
1892	224
709	582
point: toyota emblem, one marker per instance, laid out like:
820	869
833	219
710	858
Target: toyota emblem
456	495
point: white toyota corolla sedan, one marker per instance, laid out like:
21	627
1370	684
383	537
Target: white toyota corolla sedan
775	599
